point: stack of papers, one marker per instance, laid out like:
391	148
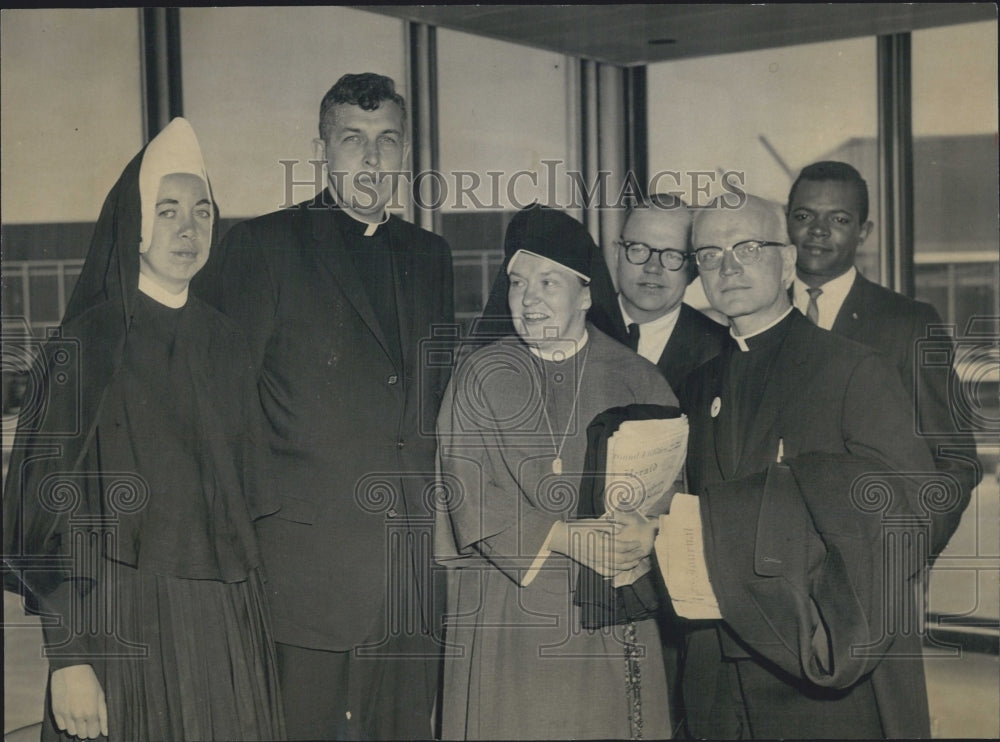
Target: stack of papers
645	460
644	464
680	551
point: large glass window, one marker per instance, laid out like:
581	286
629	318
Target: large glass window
253	80
955	170
754	119
957	256
72	119
502	112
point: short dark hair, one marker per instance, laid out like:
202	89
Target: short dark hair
671	202
367	90
840	172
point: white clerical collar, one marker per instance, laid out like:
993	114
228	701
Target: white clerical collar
370	227
741	340
560	354
159	294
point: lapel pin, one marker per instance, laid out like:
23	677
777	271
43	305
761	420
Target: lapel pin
854	315
716	406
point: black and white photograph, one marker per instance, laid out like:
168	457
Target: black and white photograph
500	372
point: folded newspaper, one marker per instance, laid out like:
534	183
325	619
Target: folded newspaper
644	466
680	552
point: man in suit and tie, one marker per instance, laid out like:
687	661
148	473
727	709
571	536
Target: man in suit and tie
335	296
794	550
653	269
827	219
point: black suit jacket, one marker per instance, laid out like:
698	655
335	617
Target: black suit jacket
823	395
351	429
911	336
696	339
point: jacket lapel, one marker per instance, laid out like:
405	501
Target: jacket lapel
331	254
720	420
679	348
617	323
762	443
404	278
852	311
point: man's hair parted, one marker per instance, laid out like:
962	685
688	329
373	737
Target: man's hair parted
839	172
367	90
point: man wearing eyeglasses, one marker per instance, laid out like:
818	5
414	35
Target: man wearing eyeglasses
799	456
653	269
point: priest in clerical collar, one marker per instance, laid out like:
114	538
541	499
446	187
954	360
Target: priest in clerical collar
786	426
746	263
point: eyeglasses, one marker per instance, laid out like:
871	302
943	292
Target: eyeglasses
747	252
638	253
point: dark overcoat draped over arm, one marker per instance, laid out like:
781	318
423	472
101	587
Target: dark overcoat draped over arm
814	560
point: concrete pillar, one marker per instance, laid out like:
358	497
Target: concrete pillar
423	120
162	92
895	163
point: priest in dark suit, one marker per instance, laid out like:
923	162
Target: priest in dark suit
653	269
827	220
336	297
801	461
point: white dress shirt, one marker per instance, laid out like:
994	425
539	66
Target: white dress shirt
830	301
654	335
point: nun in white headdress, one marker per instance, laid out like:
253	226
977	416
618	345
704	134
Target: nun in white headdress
129	506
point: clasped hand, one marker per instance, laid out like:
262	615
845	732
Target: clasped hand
608	545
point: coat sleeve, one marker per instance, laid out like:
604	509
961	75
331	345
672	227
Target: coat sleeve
239	282
488	515
57	571
878	422
930	379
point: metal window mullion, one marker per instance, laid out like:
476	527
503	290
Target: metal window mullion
895	163
162	91
589	155
422	66
637	153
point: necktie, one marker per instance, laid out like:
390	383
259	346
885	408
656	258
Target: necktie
633	337
812	311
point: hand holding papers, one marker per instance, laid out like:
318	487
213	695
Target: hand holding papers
644	461
634	454
645	458
680	552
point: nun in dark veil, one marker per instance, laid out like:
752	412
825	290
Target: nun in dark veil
495	320
132	489
512	454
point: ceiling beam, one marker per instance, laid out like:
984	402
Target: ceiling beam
628	35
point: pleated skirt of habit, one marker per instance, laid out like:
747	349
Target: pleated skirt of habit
209	670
